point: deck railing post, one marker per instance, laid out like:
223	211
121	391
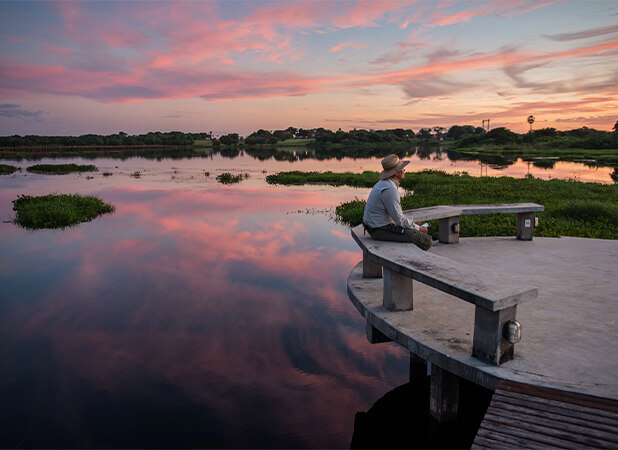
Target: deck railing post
370	268
448	230
375	336
488	343
397	291
443	395
418	370
525	226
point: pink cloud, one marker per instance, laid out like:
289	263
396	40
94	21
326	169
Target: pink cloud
491	8
161	81
341	46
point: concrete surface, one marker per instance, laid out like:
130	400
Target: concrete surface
569	337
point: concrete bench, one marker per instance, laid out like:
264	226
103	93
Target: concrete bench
449	217
495	298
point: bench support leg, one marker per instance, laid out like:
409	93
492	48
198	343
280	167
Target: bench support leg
418	370
375	336
397	294
443	395
525	226
488	343
449	230
370	268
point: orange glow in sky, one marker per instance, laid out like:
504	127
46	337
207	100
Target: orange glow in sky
232	66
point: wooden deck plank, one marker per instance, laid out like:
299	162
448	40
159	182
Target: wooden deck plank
596	403
533	439
565	408
576	433
488	440
495	439
589	421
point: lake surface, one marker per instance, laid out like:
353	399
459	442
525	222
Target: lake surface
196	315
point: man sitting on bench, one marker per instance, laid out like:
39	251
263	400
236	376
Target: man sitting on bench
383	217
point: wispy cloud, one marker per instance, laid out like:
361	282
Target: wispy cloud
442	17
401	52
591	33
12	110
341	46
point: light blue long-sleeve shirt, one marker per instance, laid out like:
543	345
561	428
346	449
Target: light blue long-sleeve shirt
384	206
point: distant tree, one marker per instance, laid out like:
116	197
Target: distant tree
282	135
502	135
616	127
530	121
230	139
439	132
458	131
260	137
424	133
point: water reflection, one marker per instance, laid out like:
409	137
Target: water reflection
187	319
358	159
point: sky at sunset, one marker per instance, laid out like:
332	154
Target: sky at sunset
77	67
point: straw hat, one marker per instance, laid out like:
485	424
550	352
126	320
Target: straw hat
391	165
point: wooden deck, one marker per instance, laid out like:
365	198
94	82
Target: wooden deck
522	415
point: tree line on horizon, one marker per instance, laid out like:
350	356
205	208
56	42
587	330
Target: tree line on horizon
464	135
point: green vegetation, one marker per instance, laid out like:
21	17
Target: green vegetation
228	178
136	174
107	174
7	170
57	211
61	169
571	208
365	179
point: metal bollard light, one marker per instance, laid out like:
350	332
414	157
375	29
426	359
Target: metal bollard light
512	331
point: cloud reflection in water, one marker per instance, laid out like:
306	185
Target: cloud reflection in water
189	318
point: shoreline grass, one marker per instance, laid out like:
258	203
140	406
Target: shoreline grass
61	169
606	157
57	211
572	208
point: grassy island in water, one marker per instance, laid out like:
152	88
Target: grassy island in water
61	169
57	211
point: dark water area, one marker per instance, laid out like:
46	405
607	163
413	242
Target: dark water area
196	315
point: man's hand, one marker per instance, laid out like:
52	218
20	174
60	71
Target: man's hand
422	229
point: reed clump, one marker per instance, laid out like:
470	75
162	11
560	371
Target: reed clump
228	178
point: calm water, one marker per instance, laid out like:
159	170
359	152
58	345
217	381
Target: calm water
196	315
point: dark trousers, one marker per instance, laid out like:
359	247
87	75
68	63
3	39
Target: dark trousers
393	233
